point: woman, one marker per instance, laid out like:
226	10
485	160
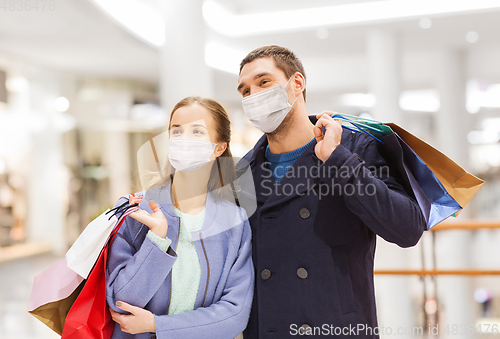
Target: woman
180	266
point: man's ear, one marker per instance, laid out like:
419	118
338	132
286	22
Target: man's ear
299	83
220	148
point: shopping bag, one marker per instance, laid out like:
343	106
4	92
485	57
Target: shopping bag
53	292
461	184
435	202
442	188
89	317
82	256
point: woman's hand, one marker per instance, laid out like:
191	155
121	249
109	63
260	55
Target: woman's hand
138	321
156	222
327	142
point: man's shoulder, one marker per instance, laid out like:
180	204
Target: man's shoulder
354	141
249	157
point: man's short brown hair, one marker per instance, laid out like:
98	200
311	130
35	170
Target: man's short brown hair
284	59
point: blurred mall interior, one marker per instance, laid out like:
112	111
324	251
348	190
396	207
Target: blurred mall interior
85	83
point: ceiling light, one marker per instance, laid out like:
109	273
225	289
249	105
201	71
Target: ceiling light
221	20
482	96
223	58
17	84
424	100
472	37
322	33
61	104
425	23
358	99
143	21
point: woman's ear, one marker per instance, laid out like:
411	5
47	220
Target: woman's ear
220	148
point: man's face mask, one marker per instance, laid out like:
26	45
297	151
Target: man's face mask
267	109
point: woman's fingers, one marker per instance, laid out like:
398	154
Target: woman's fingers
157	222
127	307
140	215
133	199
154	206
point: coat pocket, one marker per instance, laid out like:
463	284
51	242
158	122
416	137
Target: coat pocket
344	283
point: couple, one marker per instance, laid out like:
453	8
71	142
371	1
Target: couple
194	266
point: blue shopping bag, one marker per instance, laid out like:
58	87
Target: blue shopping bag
436	203
432	197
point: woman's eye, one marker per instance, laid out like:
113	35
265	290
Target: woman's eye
197	131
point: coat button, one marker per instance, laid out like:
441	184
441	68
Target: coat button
305	329
304	213
265	274
302	273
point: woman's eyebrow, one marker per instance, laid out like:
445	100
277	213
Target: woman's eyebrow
199	125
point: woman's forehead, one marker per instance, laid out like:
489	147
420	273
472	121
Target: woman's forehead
192	114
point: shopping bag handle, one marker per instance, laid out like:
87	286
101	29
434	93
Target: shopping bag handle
120	209
357	125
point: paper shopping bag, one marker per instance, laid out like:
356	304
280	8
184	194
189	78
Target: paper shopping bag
442	188
89	317
82	256
458	182
434	200
53	293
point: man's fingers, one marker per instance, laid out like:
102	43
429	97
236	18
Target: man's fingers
324	121
318	133
325	113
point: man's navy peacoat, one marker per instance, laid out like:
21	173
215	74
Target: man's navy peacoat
314	237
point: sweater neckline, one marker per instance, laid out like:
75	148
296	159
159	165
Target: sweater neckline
286	157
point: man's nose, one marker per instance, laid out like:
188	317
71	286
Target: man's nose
254	89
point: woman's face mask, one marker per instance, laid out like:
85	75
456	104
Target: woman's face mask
268	108
187	154
189	145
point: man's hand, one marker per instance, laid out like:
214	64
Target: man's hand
139	321
156	222
327	142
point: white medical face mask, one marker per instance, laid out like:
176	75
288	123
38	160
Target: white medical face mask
188	155
267	109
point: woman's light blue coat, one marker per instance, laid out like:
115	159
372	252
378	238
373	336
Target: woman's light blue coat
139	271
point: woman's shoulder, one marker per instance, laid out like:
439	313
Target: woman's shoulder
229	211
233	220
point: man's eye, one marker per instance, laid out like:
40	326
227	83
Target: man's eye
245	92
263	82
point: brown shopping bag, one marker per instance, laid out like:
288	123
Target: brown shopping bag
54	292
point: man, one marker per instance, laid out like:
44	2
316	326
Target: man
323	194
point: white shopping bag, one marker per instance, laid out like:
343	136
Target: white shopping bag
82	256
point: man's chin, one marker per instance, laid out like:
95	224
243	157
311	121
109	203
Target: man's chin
283	127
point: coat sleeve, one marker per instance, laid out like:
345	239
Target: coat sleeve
134	276
225	318
375	194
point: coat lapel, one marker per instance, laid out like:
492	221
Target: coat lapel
300	178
